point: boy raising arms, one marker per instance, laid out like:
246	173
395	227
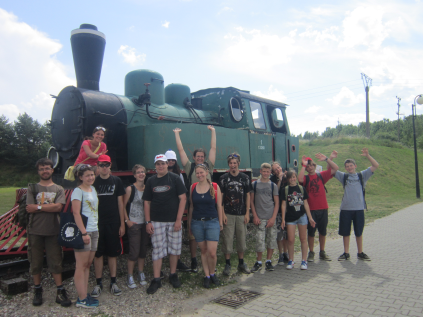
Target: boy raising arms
353	204
264	205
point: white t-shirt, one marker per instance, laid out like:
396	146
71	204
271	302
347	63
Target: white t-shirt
89	201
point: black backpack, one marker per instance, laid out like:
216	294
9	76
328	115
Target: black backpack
21	218
307	180
273	184
131	198
360	177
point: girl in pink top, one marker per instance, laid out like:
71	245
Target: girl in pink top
89	147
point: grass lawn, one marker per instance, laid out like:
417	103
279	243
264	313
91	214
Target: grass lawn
7	198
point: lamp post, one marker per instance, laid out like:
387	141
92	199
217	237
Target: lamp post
419	99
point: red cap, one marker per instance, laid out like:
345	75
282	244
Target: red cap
104	158
309	159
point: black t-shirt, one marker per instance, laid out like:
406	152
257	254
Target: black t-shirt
163	192
294	203
108	191
234	190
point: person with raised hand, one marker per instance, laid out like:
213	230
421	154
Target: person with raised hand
353	203
314	184
92	147
199	157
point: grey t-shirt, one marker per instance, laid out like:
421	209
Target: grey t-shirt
263	200
353	194
136	213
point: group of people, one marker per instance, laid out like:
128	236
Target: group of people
216	212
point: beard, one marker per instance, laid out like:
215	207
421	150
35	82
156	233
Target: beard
46	178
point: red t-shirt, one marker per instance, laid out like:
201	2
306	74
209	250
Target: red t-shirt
82	155
316	190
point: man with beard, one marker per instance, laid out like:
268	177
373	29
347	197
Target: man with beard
235	187
43	207
314	183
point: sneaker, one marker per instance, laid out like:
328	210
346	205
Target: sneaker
344	256
243	268
154	286
38	297
86	303
280	260
310	257
161	275
92	299
285	257
206	282
363	256
194	267
182	267
269	266
215	280
257	266
130	282
96	292
174	280
303	265
323	256
62	298
227	270
290	265
142	278
114	289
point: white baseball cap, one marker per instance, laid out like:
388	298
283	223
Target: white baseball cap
160	157
171	155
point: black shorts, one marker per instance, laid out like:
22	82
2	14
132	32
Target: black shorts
320	216
109	242
345	218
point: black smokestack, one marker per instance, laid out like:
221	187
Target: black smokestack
88	51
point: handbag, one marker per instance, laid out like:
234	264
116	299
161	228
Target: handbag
69	175
70	236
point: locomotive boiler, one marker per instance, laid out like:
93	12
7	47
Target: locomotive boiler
139	124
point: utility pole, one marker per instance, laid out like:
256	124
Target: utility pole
367	81
398	113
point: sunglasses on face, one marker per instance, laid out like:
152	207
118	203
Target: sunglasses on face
101	128
103	164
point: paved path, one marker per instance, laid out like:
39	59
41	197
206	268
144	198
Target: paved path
390	285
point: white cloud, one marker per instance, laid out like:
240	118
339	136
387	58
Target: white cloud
29	70
11	111
326	34
346	98
166	24
255	52
321	11
313	109
130	56
272	93
225	9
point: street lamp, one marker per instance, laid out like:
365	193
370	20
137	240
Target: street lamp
419	99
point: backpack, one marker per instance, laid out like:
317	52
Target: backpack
215	190
360	177
21	218
286	192
307	180
191	171
255	186
131	198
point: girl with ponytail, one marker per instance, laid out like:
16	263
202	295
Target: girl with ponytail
205	217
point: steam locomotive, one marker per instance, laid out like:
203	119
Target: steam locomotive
255	127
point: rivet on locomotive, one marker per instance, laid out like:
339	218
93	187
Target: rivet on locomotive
140	123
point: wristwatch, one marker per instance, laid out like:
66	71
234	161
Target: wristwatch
39	207
84	234
326	159
147	222
126	220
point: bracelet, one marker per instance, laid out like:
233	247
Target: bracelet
326	159
304	165
85	234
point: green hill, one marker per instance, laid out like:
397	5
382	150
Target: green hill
392	187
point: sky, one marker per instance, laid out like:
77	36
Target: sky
307	54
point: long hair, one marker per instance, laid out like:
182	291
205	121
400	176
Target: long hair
175	169
204	167
97	128
290	173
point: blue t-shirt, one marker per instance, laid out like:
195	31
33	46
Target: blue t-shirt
204	205
353	193
89	202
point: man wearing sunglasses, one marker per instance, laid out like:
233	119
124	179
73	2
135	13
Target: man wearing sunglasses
44	202
111	225
235	187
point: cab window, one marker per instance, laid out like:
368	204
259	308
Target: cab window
257	114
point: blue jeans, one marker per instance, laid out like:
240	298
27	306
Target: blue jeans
303	220
205	230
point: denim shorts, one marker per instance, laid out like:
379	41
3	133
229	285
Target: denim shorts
303	220
205	230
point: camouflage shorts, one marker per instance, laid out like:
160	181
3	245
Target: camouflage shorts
281	235
264	234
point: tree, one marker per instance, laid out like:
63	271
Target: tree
6	137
